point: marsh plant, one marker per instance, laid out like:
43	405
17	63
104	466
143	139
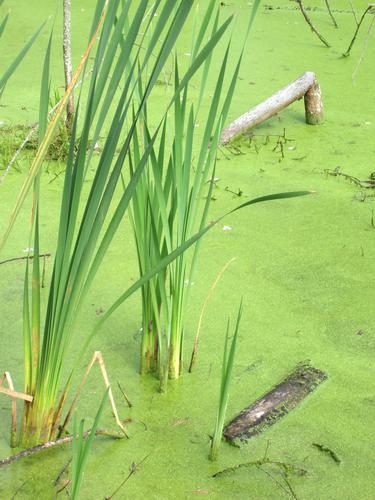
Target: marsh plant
226	375
172	199
87	224
167	207
132	48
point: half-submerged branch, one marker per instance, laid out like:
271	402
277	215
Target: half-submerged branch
331	14
57	442
305	86
369	9
309	22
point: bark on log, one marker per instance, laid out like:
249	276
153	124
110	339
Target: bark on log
305	86
275	404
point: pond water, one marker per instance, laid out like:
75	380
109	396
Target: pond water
305	268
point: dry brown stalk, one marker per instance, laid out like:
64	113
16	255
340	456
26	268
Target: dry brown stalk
96	358
205	303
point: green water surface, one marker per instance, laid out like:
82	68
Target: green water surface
305	268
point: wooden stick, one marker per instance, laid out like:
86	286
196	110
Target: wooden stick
14	395
347	52
331	15
133	469
265	461
305	86
353	12
13	259
51	444
313	105
128	402
309	22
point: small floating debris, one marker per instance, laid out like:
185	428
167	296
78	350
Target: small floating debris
328	451
227	228
275	404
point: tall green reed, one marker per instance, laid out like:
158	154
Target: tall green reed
226	376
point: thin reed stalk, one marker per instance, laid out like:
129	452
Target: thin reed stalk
226	375
82	443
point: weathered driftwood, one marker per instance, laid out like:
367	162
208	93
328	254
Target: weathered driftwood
305	86
275	404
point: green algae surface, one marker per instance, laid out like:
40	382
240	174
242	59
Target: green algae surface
305	268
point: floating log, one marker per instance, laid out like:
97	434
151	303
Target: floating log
305	86
274	404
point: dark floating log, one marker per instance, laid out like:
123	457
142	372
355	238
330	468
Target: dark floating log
275	404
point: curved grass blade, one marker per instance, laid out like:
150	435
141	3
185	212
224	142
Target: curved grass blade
18	59
3	24
43	147
82	447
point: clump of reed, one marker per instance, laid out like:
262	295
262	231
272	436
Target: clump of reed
172	201
167	208
87	225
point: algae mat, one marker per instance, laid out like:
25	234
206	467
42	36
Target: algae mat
305	268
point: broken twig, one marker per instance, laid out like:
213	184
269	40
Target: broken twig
133	469
128	402
309	22
331	15
287	467
57	442
13	259
368	9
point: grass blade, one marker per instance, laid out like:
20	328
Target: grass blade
18	59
